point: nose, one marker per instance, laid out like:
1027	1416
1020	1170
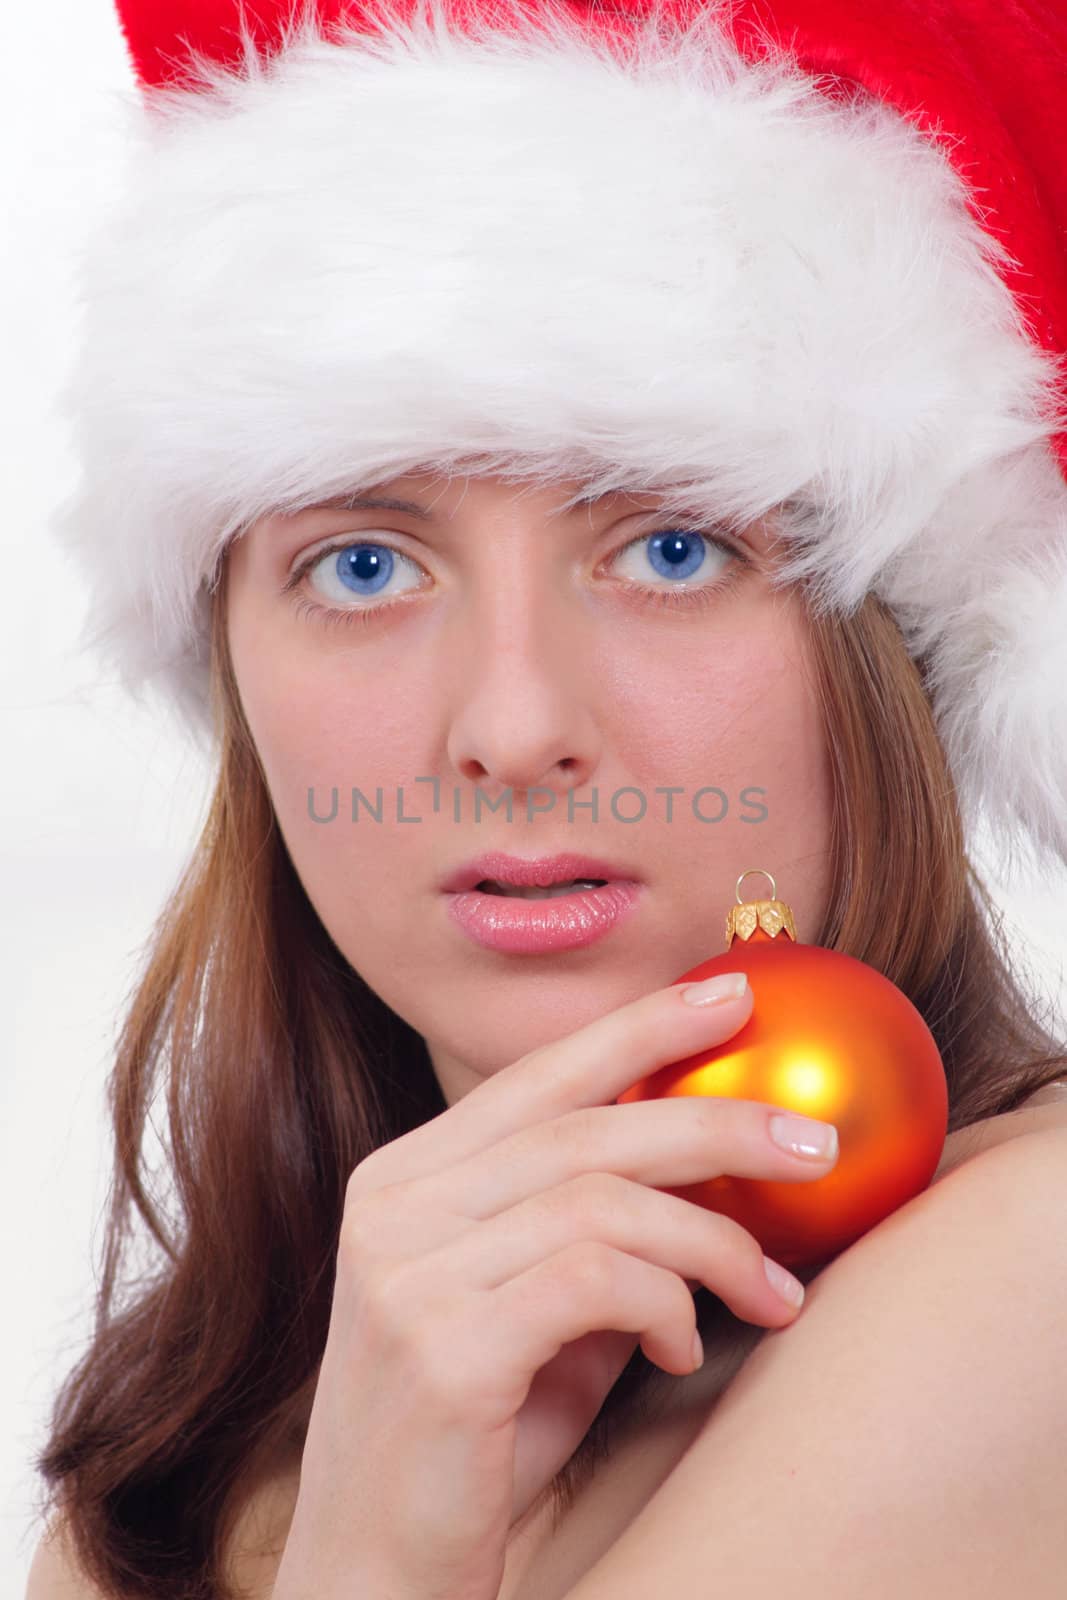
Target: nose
524	710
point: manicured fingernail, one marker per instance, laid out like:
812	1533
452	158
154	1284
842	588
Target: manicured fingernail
698	1351
724	986
783	1282
804	1136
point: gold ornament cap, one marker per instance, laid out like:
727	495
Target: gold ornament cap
773	915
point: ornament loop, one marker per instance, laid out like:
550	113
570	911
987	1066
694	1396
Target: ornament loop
745	874
773	917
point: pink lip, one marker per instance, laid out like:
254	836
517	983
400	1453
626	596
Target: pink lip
526	872
527	927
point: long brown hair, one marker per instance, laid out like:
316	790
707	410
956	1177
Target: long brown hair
282	1070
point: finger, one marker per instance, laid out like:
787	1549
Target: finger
677	1140
700	1246
588	1288
589	1067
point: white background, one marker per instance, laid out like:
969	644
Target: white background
100	805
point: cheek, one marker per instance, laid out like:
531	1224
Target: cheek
324	734
323	721
735	710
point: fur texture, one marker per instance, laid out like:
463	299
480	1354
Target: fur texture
646	263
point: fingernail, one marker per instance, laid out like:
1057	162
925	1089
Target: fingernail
724	986
698	1351
783	1282
804	1136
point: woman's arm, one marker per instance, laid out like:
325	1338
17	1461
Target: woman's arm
905	1434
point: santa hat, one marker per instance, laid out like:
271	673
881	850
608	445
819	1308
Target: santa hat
775	251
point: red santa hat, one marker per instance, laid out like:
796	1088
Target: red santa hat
772	251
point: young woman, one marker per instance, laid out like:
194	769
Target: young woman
545	409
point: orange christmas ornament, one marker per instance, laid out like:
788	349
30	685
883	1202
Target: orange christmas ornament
829	1037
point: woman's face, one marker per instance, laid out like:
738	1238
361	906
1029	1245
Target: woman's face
509	646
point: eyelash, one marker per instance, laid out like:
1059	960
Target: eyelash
674	599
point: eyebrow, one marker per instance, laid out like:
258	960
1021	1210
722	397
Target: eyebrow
371	502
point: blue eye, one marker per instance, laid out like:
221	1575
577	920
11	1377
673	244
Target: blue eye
675	553
354	570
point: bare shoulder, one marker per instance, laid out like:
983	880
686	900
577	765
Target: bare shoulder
1053	1093
255	1547
1045	1109
54	1571
253	1554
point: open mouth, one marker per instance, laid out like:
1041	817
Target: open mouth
552	891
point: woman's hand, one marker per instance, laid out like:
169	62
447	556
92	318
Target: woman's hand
496	1269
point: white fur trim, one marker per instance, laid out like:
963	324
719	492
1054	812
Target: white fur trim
653	267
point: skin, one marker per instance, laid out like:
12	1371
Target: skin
508	651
